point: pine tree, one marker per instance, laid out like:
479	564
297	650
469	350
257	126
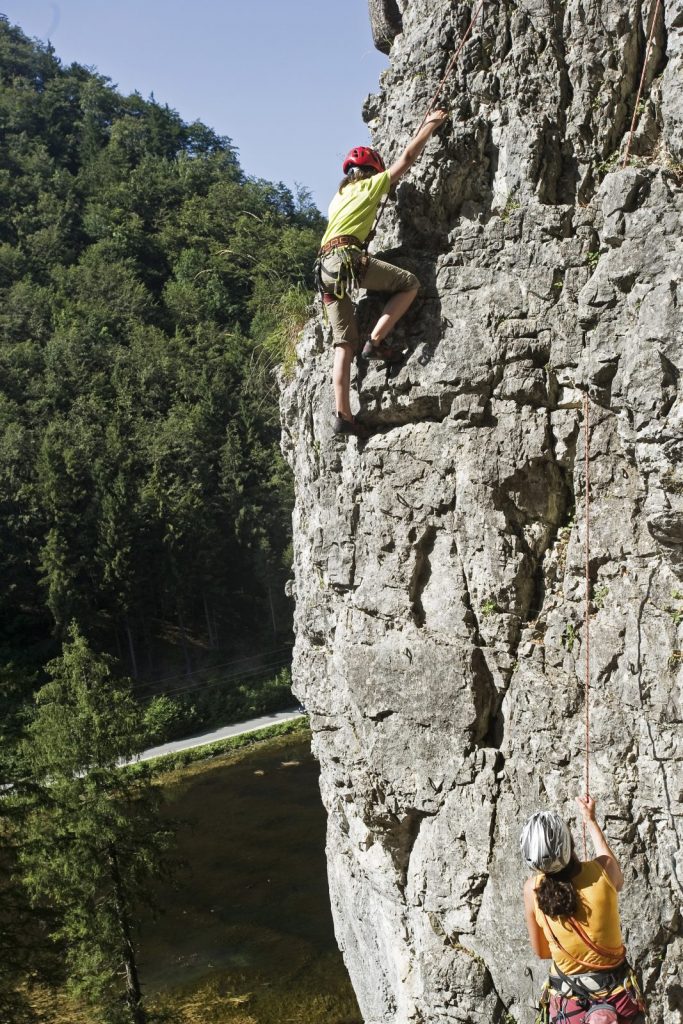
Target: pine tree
23	949
92	837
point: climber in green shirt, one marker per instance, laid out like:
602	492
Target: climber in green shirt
344	264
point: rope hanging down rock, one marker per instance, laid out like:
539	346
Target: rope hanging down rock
586	462
451	64
657	5
430	106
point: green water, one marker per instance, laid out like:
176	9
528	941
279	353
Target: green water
246	936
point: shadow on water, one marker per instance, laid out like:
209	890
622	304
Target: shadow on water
246	937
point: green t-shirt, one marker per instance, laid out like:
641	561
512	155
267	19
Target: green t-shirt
352	211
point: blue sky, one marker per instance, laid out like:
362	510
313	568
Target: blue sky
285	79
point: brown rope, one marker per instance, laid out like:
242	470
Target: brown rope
586	456
451	64
650	39
430	107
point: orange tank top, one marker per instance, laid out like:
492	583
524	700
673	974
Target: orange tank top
595	922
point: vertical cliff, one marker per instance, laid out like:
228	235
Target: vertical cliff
439	566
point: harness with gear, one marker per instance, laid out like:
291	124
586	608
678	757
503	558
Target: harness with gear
592	997
354	260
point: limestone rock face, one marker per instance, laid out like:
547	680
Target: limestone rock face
385	22
439	566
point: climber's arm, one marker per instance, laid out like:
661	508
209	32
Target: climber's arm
416	145
537	938
603	853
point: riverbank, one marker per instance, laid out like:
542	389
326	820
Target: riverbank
246	933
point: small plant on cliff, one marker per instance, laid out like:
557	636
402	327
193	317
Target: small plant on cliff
600	596
592	259
672	480
569	636
670	164
606	165
488	607
676	613
511	204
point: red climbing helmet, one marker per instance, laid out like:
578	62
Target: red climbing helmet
363	156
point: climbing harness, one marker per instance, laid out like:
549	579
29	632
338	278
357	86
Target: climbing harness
657	5
595	998
593	991
353	263
606	1008
340	242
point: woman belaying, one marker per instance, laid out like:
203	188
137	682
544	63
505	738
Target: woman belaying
572	916
343	264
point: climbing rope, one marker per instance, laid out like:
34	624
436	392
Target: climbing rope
586	459
451	65
657	5
430	106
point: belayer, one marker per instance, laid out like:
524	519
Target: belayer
572	916
344	264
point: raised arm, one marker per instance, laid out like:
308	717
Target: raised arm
537	938
416	145
600	845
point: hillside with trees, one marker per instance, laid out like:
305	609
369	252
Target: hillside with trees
147	284
148	289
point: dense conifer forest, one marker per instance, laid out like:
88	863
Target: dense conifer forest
148	290
147	285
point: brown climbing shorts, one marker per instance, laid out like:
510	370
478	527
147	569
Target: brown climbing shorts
373	274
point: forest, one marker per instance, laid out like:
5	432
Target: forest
150	290
147	288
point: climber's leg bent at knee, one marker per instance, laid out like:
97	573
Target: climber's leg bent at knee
403	286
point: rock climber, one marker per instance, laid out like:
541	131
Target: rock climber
572	916
344	264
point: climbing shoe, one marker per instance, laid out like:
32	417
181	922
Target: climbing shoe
382	351
344	428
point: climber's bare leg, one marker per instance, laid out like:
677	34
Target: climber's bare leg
341	378
395	308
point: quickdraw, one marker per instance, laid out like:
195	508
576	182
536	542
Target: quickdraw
543	1009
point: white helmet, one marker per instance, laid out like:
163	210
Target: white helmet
546	843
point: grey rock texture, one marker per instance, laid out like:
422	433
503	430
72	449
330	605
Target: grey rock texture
385	22
439	573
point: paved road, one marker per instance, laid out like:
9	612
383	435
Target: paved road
253	725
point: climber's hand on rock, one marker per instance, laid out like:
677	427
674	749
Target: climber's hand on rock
437	118
587	807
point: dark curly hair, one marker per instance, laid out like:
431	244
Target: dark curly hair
555	894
